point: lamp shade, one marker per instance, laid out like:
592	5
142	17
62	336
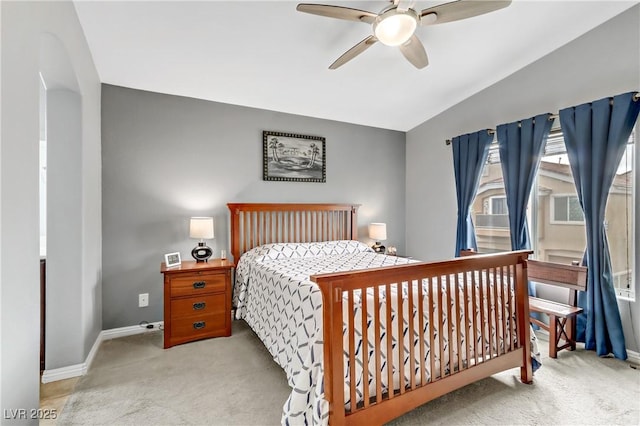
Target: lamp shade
201	227
378	231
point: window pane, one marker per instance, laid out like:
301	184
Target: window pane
560	209
619	220
558	239
489	210
575	211
499	205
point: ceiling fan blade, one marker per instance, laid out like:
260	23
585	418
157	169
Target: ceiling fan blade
353	52
461	9
338	12
414	51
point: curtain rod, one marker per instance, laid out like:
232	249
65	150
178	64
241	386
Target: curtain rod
552	117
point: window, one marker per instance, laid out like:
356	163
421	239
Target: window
489	210
566	208
620	224
498	205
555	218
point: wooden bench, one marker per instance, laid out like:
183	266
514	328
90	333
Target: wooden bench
562	317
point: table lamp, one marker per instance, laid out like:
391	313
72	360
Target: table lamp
378	232
201	228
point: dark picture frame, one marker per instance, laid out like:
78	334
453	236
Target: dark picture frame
293	158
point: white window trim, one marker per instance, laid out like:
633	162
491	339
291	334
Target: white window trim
621	292
635	195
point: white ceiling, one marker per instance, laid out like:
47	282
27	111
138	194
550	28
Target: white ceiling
265	54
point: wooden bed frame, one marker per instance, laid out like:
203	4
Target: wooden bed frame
476	307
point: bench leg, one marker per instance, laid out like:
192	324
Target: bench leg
553	336
561	328
571	332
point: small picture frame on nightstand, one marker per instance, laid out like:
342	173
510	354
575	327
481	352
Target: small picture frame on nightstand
172	259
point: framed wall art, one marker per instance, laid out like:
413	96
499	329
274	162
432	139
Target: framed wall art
293	158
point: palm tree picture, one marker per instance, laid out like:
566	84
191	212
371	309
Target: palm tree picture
292	157
314	154
274	144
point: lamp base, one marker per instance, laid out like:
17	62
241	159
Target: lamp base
378	248
201	253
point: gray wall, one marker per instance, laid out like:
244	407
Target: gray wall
601	63
24	25
167	158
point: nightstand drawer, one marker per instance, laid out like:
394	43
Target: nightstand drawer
191	285
198	306
206	325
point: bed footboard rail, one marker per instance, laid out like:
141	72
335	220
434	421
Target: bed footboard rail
398	337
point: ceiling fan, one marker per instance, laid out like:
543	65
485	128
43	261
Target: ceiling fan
396	24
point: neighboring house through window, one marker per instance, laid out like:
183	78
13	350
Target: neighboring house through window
489	210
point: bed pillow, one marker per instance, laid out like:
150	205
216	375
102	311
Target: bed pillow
343	246
277	251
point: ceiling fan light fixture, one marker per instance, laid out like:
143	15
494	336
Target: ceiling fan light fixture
395	27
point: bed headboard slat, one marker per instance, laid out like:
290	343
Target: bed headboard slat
254	224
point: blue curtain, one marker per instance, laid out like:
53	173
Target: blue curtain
469	156
596	135
521	146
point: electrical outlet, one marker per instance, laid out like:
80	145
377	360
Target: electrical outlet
143	300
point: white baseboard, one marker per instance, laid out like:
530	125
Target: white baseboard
64	373
114	333
633	357
81	369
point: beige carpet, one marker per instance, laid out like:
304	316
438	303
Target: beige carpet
233	381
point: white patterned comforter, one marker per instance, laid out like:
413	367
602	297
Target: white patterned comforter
274	295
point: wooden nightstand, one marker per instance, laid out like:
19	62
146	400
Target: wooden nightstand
197	301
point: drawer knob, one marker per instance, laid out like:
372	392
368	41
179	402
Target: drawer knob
199	305
199	284
199	325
